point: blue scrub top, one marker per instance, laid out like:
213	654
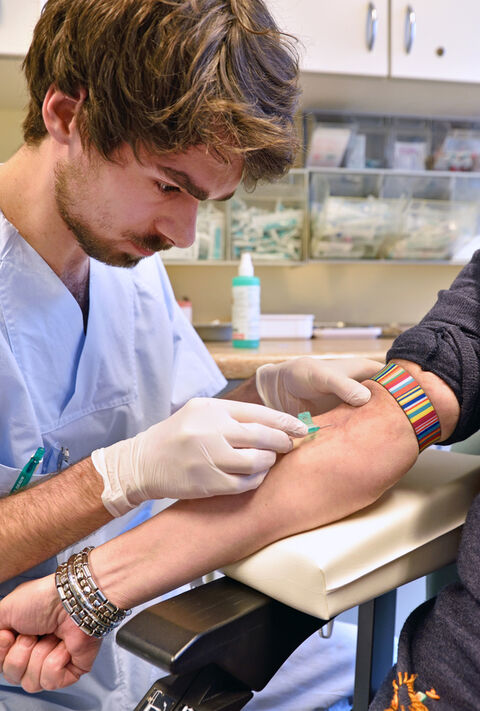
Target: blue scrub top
62	389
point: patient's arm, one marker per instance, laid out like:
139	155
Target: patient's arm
347	466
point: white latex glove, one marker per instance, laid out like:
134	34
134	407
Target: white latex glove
314	384
208	447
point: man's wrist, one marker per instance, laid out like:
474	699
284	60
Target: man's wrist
113	495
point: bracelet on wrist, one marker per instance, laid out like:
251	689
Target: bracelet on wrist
413	401
82	598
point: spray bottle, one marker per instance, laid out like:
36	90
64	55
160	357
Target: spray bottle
246	305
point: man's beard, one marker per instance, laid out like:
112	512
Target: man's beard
92	244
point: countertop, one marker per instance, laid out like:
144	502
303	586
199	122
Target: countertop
239	363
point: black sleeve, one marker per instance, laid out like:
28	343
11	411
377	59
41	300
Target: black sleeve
447	342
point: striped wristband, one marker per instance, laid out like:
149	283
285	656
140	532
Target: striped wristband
413	401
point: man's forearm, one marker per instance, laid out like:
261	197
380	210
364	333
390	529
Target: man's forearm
40	521
346	467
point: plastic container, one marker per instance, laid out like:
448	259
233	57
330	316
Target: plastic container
348	332
271	223
214	331
246	305
384	214
210	236
286	325
329	143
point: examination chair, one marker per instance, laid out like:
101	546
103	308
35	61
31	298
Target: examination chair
221	640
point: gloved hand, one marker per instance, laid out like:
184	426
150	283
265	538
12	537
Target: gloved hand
313	384
208	447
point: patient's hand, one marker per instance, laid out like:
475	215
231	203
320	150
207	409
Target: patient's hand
40	645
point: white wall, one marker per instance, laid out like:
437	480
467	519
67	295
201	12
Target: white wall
355	293
10	132
13	99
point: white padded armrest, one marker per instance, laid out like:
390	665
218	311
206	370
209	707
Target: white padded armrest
413	529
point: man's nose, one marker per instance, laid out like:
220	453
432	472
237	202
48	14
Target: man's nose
182	228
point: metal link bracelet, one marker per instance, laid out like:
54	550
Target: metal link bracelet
82	598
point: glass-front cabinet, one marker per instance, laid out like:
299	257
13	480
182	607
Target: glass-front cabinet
384	214
271	222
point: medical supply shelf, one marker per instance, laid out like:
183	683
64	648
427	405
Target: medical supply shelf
392	214
271	223
396	141
342	215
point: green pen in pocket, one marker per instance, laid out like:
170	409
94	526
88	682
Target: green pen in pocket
28	470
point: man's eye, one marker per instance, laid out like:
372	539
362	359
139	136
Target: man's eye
166	188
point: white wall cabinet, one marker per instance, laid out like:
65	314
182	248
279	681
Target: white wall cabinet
346	37
429	39
444	40
408	39
17	20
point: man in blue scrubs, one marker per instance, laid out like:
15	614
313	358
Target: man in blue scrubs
138	110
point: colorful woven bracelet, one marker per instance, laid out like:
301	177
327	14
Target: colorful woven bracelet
413	401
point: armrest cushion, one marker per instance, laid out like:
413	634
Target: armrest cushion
413	529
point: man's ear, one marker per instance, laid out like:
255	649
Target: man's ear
59	112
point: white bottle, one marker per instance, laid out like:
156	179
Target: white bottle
246	305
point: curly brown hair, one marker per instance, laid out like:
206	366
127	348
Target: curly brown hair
170	74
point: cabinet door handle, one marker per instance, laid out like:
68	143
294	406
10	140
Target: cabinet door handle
372	23
410	28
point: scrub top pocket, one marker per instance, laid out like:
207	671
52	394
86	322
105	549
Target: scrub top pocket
54	459
8	477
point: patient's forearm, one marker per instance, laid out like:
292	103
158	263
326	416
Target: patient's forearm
347	466
340	471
